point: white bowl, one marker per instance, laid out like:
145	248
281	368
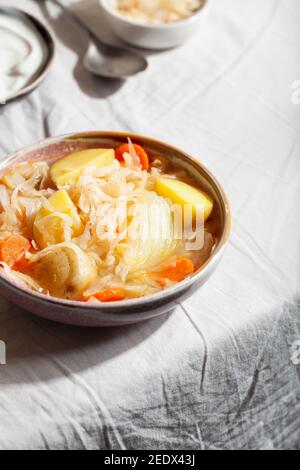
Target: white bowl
153	36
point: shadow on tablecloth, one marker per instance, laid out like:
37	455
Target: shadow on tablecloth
75	38
40	350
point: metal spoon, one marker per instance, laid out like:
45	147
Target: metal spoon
105	60
113	62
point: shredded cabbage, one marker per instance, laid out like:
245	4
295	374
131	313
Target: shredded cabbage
157	11
128	230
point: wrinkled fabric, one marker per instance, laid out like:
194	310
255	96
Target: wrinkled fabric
221	371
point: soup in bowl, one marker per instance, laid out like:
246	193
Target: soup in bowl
107	228
158	25
156	11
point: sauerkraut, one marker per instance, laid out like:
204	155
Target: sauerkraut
106	235
156	11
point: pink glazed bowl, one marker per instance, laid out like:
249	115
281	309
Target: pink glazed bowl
128	311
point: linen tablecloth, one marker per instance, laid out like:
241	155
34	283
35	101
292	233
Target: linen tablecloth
222	372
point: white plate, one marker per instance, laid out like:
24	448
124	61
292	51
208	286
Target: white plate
31	50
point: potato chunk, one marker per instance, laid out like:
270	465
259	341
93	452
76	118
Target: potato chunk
185	194
56	213
67	170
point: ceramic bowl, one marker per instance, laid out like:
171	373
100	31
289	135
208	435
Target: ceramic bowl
153	36
129	311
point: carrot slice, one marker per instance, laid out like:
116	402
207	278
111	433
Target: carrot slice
141	153
13	249
109	295
176	271
24	266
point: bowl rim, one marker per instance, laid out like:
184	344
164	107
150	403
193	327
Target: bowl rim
116	307
156	26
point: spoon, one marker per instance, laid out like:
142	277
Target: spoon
108	61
